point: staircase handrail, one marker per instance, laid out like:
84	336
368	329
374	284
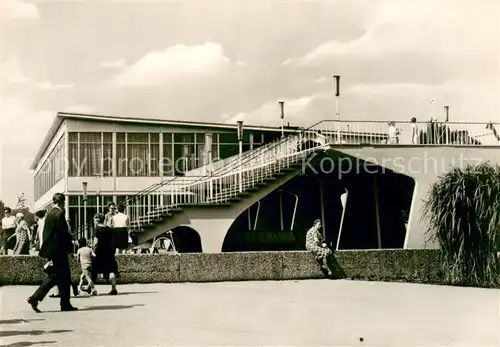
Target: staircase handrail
233	164
271	146
220	178
262	149
213	173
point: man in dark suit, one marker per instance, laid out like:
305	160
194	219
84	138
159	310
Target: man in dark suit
57	244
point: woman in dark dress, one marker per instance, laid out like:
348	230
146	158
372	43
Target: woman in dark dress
105	261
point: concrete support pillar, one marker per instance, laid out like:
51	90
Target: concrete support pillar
416	231
212	232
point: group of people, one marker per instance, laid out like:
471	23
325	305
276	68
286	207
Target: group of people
16	235
111	237
393	132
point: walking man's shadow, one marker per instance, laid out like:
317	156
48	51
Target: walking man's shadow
109	307
8	333
27	343
104	308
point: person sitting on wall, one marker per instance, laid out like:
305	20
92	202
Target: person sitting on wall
317	246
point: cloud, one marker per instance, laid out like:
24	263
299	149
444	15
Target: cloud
321	79
11	72
268	114
173	65
113	63
14	9
241	63
14	130
80	109
19	145
468	101
48	86
420	28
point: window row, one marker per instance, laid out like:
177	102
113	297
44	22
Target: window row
89	154
51	171
138	154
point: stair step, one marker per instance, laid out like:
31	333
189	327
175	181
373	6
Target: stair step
219	204
156	215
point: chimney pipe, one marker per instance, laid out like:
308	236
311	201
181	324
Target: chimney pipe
447	113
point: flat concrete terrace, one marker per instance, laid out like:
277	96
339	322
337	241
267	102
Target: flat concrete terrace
287	313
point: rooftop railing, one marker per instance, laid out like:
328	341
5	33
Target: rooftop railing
407	133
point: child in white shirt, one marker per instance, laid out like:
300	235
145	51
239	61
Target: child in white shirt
85	257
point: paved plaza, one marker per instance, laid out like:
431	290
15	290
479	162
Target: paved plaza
305	313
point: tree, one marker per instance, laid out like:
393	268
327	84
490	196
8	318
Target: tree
21	202
463	209
2	208
21	207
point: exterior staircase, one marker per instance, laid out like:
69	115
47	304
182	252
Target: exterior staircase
238	178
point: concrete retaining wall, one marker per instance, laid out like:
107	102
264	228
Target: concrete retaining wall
385	265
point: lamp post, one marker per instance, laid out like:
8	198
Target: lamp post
98	193
186	154
85	230
240	144
208	146
337	94
282	116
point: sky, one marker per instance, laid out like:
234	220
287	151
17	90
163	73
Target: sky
228	61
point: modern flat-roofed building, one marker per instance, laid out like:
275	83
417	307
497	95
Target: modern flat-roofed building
187	177
119	157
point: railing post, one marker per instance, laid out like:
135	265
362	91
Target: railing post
84	184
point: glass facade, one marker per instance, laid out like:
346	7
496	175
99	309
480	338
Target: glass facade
133	155
185	151
78	214
139	155
52	170
90	154
81	213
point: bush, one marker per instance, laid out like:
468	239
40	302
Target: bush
463	209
